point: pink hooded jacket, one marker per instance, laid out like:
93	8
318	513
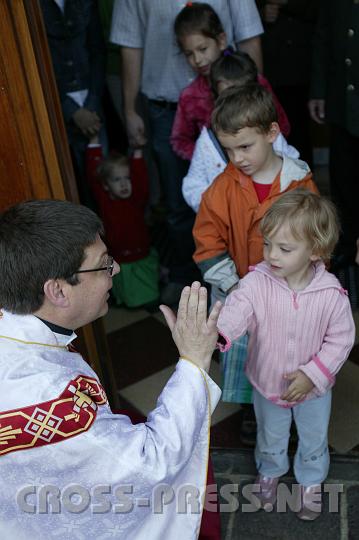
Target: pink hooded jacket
311	330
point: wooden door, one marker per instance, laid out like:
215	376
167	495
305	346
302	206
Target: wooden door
35	160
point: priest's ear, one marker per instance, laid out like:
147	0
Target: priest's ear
56	292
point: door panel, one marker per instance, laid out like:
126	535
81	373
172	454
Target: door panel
35	159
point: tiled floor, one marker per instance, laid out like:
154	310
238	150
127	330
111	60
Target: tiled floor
339	520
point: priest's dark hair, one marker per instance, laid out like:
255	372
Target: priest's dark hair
42	240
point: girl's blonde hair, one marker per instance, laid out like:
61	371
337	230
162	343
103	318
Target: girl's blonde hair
310	217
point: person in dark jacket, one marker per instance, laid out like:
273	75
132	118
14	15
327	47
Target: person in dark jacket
77	49
335	101
287	47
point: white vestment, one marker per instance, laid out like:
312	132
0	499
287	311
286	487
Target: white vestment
113	456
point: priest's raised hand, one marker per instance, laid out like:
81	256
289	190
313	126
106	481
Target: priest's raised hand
194	334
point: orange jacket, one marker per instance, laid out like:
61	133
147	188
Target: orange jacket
228	219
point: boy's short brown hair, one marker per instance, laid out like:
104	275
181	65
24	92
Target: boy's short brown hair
105	168
310	217
244	106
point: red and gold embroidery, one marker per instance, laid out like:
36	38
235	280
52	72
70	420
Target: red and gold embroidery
72	413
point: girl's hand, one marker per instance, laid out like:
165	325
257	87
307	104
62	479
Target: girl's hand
299	388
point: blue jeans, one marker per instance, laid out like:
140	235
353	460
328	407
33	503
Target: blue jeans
180	217
311	461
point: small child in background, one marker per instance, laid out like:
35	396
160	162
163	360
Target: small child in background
301	332
201	38
209	159
120	187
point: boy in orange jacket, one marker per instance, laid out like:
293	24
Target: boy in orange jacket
226	230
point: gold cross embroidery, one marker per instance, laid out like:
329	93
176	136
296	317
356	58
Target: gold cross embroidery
82	399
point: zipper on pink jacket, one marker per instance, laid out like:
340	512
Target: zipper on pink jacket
295	303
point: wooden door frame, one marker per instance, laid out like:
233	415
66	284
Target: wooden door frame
30	99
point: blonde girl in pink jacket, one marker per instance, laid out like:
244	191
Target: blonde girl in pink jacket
301	331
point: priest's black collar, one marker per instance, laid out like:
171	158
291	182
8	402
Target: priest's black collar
56	328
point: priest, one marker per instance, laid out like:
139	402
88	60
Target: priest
72	468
